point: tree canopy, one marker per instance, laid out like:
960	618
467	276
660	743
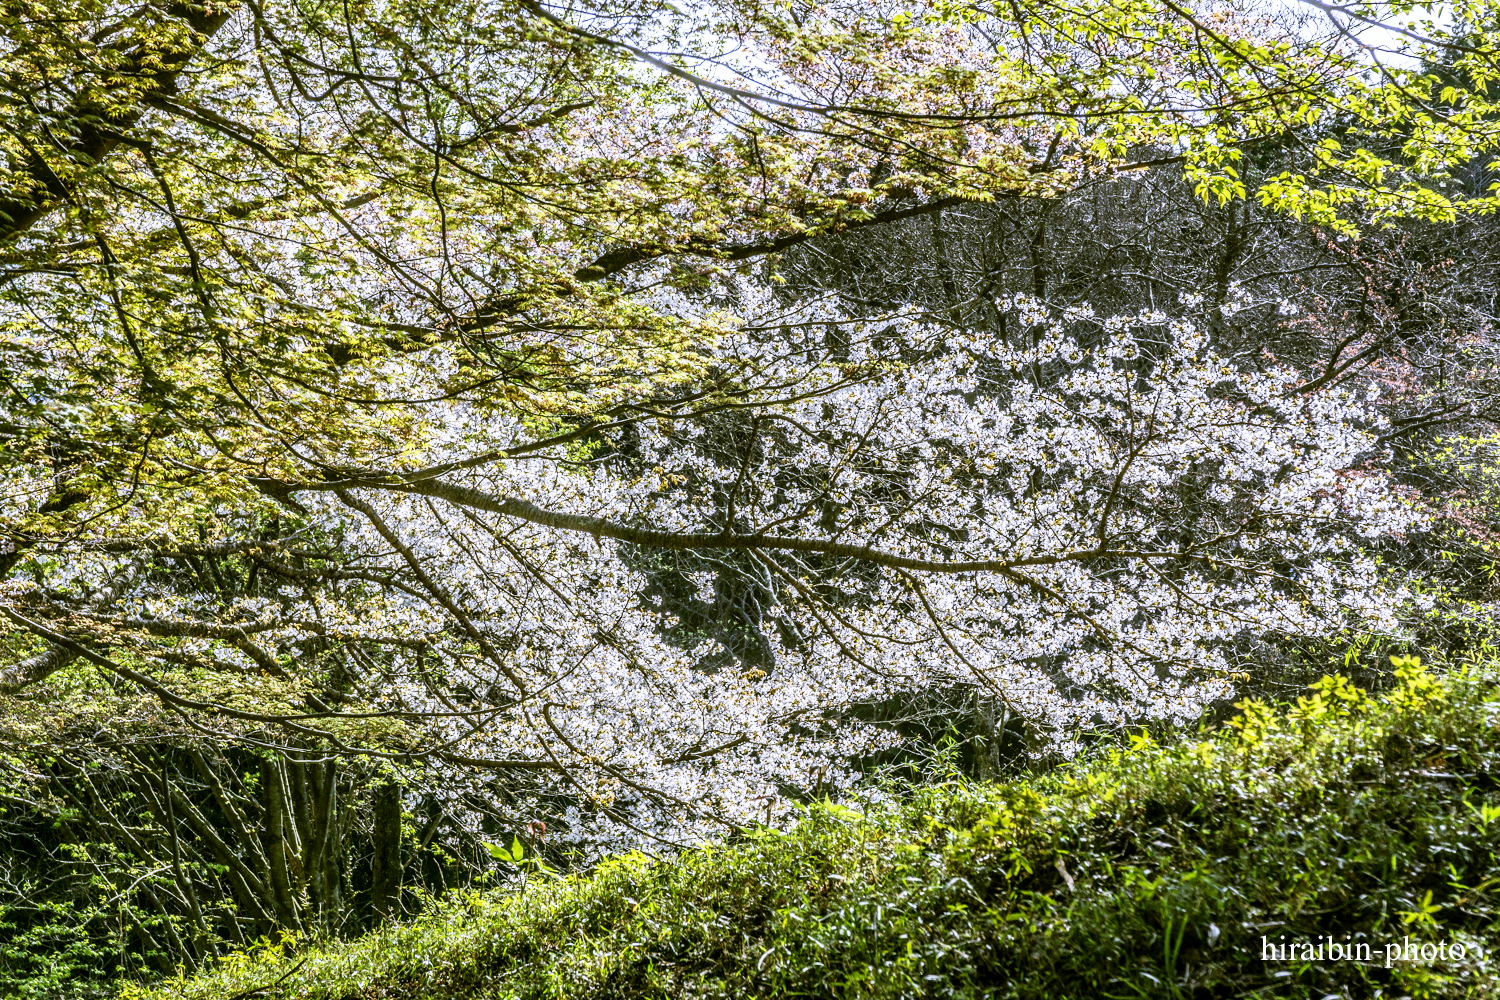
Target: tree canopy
450	386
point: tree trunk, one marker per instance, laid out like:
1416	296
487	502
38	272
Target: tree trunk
385	862
278	850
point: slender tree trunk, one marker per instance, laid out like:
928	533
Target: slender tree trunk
385	865
1229	256
987	736
278	849
320	852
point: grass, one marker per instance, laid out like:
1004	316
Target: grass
1147	871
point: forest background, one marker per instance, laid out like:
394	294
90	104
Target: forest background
440	433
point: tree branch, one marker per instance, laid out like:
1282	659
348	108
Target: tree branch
92	142
653	538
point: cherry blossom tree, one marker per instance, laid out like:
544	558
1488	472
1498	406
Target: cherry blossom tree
1084	525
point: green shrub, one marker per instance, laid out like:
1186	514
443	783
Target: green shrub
1147	870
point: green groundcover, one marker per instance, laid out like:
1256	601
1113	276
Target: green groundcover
1345	845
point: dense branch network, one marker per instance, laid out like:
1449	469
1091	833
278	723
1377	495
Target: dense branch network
433	390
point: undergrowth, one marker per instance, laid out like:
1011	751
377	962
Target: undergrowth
1147	871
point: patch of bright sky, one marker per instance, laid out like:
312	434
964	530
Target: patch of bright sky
1390	39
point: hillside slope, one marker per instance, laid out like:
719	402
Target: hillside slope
1158	871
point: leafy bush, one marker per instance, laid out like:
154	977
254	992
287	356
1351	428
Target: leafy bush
1148	870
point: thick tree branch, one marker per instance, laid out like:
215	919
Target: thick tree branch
39	667
617	260
599	527
90	141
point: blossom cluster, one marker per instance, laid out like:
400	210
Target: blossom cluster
1089	524
1089	521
